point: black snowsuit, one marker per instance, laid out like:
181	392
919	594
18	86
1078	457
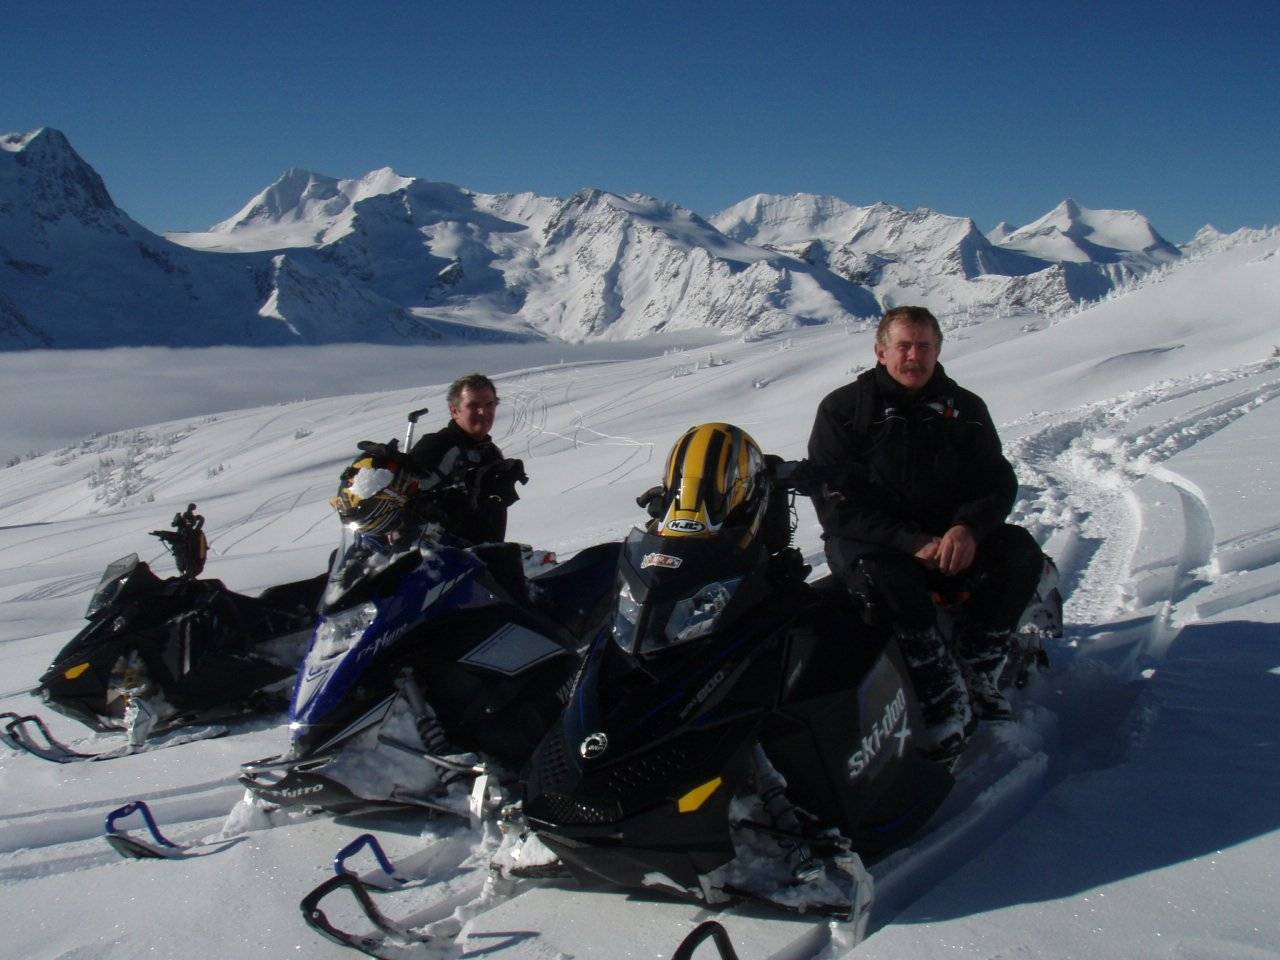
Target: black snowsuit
449	455
902	469
188	543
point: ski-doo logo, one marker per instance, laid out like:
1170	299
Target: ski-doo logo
593	746
660	560
891	726
686	526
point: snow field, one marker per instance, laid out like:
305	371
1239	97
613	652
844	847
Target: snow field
1125	814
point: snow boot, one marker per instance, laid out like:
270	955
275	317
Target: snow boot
981	662
940	688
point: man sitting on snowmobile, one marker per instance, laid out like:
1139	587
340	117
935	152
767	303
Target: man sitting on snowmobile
919	512
464	456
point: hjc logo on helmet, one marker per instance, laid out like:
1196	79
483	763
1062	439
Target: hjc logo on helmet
685	526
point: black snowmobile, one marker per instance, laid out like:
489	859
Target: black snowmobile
159	654
437	664
739	732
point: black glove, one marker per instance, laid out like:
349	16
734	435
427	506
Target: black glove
497	481
387	453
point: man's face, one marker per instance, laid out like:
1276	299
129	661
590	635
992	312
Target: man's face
910	355
474	411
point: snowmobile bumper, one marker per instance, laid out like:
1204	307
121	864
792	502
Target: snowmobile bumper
293	782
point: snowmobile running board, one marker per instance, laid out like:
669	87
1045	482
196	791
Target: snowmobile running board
17	735
133	848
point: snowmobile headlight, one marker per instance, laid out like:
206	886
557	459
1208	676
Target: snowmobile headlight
626	618
337	633
696	616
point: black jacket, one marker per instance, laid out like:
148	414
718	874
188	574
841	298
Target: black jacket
903	468
450	455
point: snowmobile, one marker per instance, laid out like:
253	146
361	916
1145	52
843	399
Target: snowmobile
437	664
163	653
739	732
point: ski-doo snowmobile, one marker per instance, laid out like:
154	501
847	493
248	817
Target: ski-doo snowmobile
739	731
436	664
161	653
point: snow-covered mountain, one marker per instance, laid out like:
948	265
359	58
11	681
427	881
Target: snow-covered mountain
594	266
387	258
922	256
76	271
1209	239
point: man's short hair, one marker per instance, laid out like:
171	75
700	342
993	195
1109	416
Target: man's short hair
912	315
475	382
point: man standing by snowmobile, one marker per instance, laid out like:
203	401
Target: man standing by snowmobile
187	542
474	482
919	510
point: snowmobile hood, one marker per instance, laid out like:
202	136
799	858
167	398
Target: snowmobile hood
672	591
386	597
367	565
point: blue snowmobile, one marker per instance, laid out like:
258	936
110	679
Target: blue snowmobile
436	663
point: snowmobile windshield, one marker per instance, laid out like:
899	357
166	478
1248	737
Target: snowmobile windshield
111	584
674	590
362	559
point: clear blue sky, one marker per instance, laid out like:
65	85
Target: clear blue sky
996	110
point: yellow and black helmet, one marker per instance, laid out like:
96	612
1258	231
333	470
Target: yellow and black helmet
372	494
715	476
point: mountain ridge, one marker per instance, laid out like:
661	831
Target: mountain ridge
388	258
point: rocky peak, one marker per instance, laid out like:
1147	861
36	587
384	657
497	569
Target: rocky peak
53	181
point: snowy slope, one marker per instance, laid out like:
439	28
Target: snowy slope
1126	815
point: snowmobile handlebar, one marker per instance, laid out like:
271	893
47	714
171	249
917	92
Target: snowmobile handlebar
413	417
803	476
797	475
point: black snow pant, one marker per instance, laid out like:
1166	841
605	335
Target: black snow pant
990	596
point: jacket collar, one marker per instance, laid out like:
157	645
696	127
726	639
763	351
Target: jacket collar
464	439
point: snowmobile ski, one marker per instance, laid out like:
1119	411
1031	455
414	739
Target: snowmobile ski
31	735
16	733
130	847
355	846
707	930
387	877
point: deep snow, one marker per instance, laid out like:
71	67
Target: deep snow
1131	813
